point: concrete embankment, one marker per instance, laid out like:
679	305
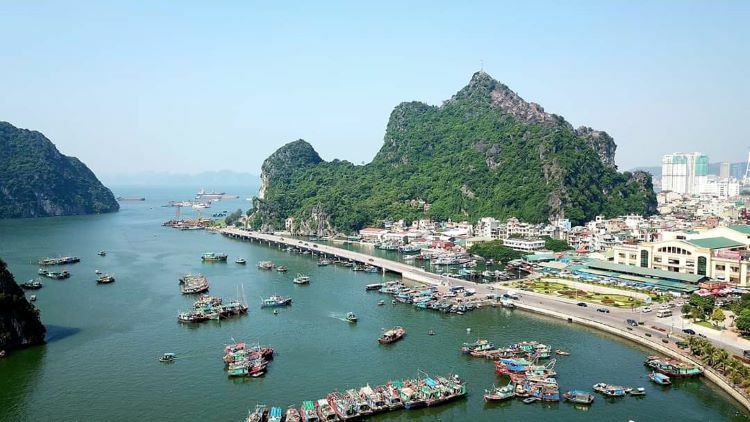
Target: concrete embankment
644	341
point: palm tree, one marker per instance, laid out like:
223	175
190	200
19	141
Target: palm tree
720	358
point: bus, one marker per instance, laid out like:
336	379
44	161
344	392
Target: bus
663	313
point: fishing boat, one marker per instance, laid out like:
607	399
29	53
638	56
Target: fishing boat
32	298
275	415
640	391
507	366
105	279
241	261
392	335
610	390
276	301
324	262
63	260
351	317
371	269
31	285
193	284
265	265
167	357
308	411
672	367
546	390
301	279
374	286
292	415
214	257
56	275
102	253
282	269
325	411
579	397
479	345
659	378
361	405
499	393
260	414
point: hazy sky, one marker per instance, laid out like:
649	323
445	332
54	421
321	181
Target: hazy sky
193	86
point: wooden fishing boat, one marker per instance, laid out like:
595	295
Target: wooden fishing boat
392	335
610	390
500	393
672	367
214	257
659	378
579	397
292	415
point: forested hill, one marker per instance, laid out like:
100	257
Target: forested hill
484	152
37	181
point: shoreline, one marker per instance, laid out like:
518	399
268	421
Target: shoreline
709	373
418	275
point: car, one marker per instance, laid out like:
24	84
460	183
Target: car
490	287
632	322
582	304
689	331
602	310
646	309
746	353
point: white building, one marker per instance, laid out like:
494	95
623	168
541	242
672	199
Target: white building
525	245
684	172
723	188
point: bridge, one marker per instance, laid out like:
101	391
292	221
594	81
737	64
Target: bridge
407	271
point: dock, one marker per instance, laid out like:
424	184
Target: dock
406	271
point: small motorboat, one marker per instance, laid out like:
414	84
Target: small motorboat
282	269
240	261
640	391
529	400
168	357
430	333
301	279
97	272
381	303
351	317
32	285
105	279
659	378
102	253
562	352
32	298
393	302
275	311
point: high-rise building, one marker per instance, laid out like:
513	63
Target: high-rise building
684	172
724	170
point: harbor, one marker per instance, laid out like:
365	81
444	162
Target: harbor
147	287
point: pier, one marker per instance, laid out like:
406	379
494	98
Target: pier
406	271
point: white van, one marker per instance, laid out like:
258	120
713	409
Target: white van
663	313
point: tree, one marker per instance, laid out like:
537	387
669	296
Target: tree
556	245
704	303
742	322
718	316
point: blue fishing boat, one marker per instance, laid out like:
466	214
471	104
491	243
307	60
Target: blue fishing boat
579	397
610	390
659	378
275	414
276	301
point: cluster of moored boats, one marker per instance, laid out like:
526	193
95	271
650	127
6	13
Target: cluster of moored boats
208	308
193	284
358	403
55	275
530	350
428	297
63	260
243	360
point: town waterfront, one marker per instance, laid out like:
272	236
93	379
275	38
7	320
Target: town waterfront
101	360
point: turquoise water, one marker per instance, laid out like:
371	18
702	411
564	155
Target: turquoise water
100	363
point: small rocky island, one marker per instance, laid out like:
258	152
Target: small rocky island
36	180
20	325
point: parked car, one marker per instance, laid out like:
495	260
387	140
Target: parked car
602	310
746	353
632	322
646	309
689	331
582	304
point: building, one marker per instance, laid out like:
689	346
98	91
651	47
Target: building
720	187
525	245
721	253
684	172
724	170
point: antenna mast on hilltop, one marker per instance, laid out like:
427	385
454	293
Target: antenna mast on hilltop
481	65
746	179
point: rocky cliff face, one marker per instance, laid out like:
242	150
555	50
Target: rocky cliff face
19	320
37	181
484	152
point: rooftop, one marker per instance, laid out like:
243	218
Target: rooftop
742	228
644	272
714	242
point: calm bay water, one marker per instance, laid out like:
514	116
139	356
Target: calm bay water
100	363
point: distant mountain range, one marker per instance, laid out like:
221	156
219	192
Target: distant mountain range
209	180
736	170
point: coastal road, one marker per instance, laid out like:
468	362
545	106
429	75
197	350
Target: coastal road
669	329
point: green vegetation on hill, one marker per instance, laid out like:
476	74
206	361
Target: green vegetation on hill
556	245
495	250
19	320
485	152
37	181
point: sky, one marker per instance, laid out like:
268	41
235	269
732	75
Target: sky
186	87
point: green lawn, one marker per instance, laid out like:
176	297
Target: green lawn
561	290
706	324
